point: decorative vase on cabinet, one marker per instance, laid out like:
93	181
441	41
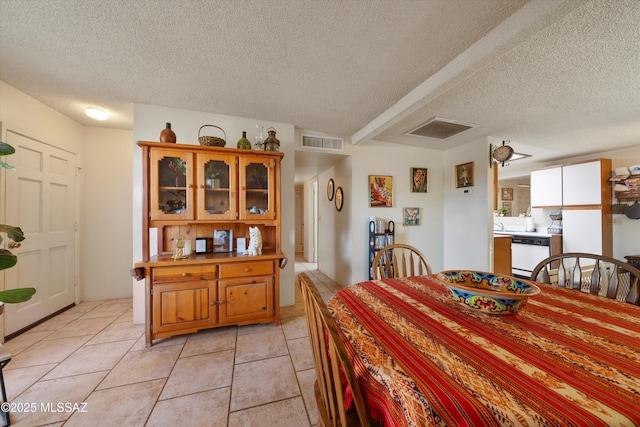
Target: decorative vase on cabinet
167	135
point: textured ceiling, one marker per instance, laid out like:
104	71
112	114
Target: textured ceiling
554	77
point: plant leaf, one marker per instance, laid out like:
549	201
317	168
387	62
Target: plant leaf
7	166
6	149
14	233
7	259
15	296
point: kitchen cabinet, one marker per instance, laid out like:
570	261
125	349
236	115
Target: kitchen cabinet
586	183
546	187
502	254
190	191
583	231
586	214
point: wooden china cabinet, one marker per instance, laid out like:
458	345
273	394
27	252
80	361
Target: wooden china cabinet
189	192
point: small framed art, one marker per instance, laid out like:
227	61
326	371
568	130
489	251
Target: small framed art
339	199
380	191
411	216
223	240
507	194
330	190
464	175
419	180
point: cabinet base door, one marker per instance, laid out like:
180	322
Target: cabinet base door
178	306
246	299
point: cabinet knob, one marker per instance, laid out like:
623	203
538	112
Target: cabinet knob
185	274
247	269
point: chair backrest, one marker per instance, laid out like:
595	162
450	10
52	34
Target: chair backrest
331	362
596	274
399	260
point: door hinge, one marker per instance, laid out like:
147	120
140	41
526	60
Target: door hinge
151	327
151	291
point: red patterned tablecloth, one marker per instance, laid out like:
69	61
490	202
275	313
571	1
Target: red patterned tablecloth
567	359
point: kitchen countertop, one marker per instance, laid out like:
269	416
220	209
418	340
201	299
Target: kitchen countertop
524	233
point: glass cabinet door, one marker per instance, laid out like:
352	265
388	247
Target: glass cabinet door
171	185
257	184
216	186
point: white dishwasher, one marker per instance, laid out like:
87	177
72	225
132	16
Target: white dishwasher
526	253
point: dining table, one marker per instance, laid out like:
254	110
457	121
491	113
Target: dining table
567	358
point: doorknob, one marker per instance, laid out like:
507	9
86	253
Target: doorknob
13	245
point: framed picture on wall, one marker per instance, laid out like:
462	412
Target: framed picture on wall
419	180
507	206
411	216
380	191
507	194
464	175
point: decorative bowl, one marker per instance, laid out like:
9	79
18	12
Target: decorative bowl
488	292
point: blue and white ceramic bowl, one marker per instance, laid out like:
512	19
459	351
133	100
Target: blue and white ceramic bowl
488	292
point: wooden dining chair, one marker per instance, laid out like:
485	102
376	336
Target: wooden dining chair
330	358
399	260
596	274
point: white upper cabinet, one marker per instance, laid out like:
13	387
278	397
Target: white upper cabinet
582	184
546	187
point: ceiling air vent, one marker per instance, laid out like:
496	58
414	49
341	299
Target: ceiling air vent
323	143
438	128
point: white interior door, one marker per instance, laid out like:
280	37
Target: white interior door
40	199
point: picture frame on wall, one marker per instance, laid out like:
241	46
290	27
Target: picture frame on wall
419	180
507	194
507	206
464	175
380	191
411	216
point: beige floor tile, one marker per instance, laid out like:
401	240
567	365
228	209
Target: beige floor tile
48	351
91	358
24	341
118	332
199	373
263	381
108	310
295	327
261	345
165	342
307	379
56	322
210	341
128	405
74	390
81	326
18	380
208	408
285	413
260	327
144	365
300	351
84	307
127	316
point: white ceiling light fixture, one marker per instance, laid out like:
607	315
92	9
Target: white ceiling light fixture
96	113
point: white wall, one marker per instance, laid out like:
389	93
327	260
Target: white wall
396	161
149	120
105	232
468	219
335	229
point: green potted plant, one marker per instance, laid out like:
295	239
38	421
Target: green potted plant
502	211
8	259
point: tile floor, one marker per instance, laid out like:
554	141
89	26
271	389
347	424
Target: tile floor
89	367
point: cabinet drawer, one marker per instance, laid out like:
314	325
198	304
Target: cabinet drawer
245	269
184	273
